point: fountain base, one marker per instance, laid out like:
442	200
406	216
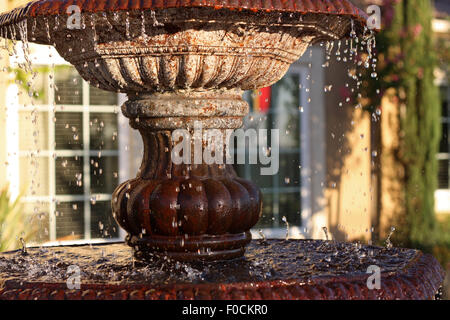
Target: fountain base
192	248
272	269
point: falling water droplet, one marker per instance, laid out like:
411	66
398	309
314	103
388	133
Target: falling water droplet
287	226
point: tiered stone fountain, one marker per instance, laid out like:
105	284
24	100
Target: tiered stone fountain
182	62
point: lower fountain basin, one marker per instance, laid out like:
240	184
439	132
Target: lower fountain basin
270	269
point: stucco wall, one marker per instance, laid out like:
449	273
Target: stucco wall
348	156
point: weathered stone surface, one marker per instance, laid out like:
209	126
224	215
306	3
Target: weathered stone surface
183	52
333	8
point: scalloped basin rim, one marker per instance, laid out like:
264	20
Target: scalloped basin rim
59	7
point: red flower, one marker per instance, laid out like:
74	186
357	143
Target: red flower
417	29
420	73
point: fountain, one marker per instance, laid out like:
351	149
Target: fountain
185	64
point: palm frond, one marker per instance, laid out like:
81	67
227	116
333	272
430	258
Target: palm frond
15	224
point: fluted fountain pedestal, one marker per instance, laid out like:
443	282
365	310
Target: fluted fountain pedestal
194	206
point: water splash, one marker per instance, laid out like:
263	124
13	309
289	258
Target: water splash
143	31
262	235
94	31
287	226
23	32
156	23
47	30
24	247
276	259
325	230
127	25
105	17
388	242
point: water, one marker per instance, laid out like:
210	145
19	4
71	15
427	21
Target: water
143	31
287	227
262	235
325	231
127	25
388	242
267	260
156	23
24	247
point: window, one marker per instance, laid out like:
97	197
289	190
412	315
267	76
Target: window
443	193
281	107
444	146
68	157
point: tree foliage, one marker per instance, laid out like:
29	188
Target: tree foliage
15	225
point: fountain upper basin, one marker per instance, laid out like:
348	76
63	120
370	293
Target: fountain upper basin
148	46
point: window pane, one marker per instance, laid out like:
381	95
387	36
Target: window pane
444	144
277	108
290	208
69	130
34	175
103	224
39	211
69	175
69	220
263	181
68	88
41	85
104	174
37	84
240	170
33	133
98	97
266	220
103	131
289	172
443	174
284	109
444	99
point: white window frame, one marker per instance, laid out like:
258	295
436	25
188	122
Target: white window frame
441	27
442	196
40	56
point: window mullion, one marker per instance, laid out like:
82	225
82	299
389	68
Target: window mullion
52	158
448	136
86	164
305	156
